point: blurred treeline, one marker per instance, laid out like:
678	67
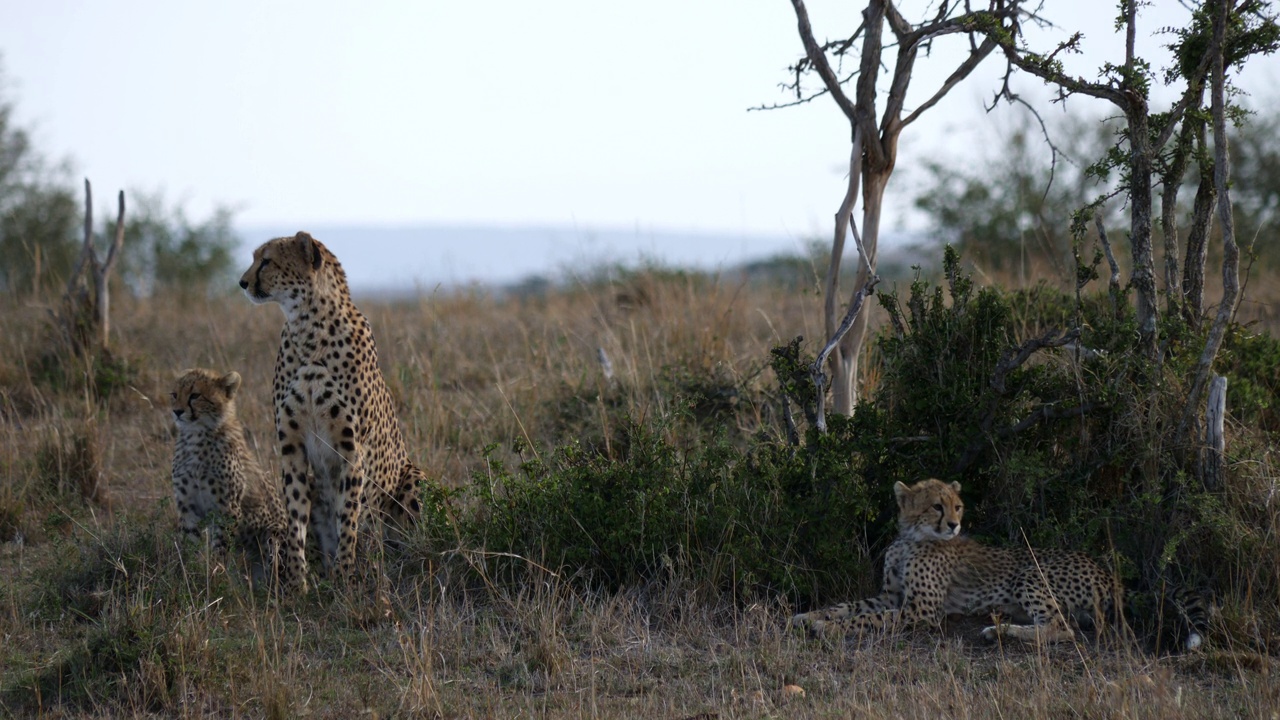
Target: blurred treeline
42	226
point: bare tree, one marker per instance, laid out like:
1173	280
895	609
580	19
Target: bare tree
86	319
874	149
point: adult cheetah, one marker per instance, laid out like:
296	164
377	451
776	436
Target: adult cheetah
334	414
931	571
214	471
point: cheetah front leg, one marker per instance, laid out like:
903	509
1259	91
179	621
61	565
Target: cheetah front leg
228	526
297	504
185	492
349	482
324	522
919	606
835	621
405	507
229	496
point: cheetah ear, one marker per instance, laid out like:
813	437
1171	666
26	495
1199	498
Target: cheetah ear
231	382
955	486
309	249
900	491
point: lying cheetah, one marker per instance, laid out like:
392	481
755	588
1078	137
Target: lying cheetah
931	571
334	415
214	471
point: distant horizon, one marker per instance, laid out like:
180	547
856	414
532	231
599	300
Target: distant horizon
400	257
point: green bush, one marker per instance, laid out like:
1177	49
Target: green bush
774	519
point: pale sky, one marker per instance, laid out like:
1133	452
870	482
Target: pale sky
577	114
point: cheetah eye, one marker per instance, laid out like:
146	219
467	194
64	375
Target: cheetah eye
195	396
938	507
265	262
173	396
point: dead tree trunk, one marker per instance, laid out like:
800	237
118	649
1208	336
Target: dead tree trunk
86	319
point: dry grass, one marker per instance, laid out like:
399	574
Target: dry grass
101	614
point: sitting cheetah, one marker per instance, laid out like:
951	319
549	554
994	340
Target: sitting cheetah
931	571
213	470
334	414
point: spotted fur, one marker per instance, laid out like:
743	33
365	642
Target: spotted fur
931	571
340	443
215	473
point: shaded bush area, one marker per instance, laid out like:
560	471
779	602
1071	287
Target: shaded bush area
1032	399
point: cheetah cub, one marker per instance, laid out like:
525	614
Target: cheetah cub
931	571
215	473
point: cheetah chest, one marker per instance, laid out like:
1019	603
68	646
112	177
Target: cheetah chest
317	407
207	476
317	395
967	584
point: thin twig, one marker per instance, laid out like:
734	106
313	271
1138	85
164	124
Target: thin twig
1113	283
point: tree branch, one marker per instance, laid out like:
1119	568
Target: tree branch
962	72
1113	282
865	90
844	218
855	307
1045	412
819	61
1013	360
1044	68
1193	93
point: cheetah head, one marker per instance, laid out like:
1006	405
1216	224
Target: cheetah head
204	398
929	510
290	270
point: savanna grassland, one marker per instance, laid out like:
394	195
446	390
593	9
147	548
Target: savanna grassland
607	544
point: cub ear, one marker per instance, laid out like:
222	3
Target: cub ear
900	491
231	382
955	486
310	251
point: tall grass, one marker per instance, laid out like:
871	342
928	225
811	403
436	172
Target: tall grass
105	612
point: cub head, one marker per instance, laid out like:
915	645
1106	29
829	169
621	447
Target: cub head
204	398
289	270
929	510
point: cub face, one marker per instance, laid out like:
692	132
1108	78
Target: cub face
204	398
929	510
282	269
